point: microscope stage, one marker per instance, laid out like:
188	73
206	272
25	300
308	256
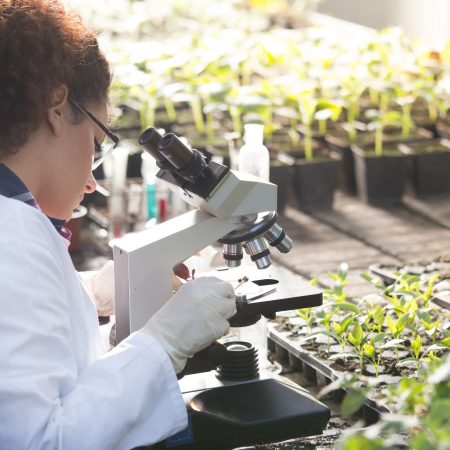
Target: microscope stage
291	291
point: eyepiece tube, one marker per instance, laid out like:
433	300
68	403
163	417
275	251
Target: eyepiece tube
150	139
179	155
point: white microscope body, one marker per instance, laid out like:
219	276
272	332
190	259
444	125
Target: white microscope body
144	261
235	404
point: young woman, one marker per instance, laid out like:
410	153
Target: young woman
58	387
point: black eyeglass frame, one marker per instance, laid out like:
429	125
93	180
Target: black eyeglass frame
102	127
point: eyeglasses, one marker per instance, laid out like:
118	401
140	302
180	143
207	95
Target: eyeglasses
98	147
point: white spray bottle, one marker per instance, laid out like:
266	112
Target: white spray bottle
254	155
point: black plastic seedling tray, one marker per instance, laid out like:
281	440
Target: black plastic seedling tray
288	351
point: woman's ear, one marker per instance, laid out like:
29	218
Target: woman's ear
58	107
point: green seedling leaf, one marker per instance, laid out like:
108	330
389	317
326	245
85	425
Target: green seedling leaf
403	321
394	301
391	324
334	276
327	318
314	282
446	341
435	347
432	357
361	442
327	110
407	362
416	345
369	350
392	343
379	315
441	375
424	315
345	306
356	335
314	334
427	325
352	403
337	328
427	294
392	118
375	281
345	323
378	338
431	332
337	291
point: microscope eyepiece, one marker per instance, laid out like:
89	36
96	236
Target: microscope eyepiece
149	140
190	164
179	154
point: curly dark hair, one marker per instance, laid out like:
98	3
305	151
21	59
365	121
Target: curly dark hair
42	46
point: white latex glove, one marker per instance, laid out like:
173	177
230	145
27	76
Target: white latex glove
100	285
193	318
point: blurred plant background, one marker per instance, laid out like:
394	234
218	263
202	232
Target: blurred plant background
213	67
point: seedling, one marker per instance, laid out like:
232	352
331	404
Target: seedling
379	119
372	350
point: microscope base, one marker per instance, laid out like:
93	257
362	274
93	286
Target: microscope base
252	412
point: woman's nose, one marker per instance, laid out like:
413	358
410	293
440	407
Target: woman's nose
91	185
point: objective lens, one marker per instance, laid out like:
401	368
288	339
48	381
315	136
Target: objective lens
259	253
232	254
179	155
278	238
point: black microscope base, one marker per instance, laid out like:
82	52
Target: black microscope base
249	413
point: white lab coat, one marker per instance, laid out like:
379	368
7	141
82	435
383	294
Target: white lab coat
58	387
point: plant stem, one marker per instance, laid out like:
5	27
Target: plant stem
374	97
293	135
147	115
170	109
268	122
406	120
236	118
209	126
198	115
308	143
322	127
432	112
352	112
379	141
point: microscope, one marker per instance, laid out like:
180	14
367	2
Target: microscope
230	401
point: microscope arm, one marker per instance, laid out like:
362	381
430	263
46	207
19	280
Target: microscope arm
144	261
